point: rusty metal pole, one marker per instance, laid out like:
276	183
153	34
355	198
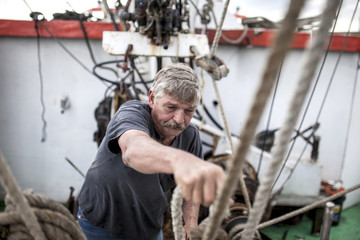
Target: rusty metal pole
327	221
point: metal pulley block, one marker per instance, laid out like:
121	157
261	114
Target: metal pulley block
214	66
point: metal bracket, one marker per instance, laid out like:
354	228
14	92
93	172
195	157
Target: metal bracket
115	43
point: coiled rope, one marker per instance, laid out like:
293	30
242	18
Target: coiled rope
281	143
32	216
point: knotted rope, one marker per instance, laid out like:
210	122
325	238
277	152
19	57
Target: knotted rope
312	58
277	53
11	187
32	216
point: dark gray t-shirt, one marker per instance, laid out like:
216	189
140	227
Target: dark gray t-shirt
127	203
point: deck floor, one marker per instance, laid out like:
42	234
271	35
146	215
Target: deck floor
347	229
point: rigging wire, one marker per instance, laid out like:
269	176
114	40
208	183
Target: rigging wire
28	6
270	114
214	121
351	111
66	50
196	8
282	40
312	58
60	43
133	66
326	92
111	15
228	40
90	49
63	46
142	81
44	136
101	65
311	95
337	61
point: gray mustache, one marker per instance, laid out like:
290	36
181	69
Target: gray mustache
174	125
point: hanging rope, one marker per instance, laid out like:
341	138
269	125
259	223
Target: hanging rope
231	41
351	111
282	142
176	214
222	72
31	216
219	30
282	41
44	135
218	97
211	55
310	97
269	117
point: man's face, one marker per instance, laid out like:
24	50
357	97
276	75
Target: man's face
169	115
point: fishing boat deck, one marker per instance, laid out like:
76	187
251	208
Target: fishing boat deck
348	227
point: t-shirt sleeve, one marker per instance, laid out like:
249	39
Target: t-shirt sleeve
130	116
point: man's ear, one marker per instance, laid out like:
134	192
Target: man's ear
151	99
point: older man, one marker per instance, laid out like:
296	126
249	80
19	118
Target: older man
148	149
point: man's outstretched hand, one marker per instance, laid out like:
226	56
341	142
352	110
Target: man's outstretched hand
198	180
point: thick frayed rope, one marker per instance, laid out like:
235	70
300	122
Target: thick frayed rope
176	214
22	206
31	216
282	141
277	54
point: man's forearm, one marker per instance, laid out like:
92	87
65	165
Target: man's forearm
190	212
197	179
146	155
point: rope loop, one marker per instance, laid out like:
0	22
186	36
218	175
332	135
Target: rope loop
196	233
176	214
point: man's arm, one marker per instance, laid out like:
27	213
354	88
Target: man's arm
198	180
190	215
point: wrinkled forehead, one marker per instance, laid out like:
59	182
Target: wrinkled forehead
173	100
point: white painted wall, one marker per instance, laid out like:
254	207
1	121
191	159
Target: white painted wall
42	166
36	165
237	90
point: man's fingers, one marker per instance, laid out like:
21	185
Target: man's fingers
213	185
187	189
201	183
220	180
197	191
209	192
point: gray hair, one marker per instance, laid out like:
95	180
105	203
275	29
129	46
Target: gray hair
178	81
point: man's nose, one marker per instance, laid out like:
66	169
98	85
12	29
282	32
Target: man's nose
179	116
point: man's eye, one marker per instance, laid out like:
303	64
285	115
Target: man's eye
171	108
